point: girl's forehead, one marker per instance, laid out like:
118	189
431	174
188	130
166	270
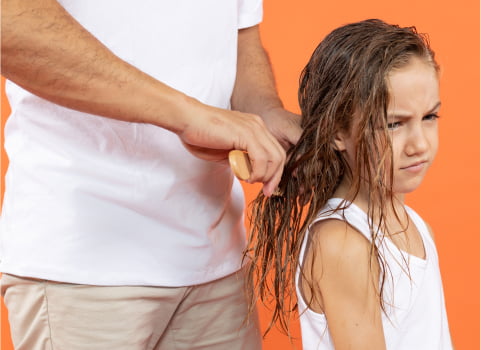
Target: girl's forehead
413	87
415	65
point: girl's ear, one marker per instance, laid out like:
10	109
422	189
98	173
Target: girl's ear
339	143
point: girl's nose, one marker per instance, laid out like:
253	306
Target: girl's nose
417	142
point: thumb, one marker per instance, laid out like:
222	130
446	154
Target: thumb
208	154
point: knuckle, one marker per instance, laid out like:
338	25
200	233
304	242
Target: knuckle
256	118
257	121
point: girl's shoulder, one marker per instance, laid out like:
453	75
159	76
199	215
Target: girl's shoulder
339	259
335	237
340	214
332	235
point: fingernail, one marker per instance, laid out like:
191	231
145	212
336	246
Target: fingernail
277	192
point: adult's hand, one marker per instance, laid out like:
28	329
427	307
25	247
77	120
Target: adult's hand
255	90
212	132
284	126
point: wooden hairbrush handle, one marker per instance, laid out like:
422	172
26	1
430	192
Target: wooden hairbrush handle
240	164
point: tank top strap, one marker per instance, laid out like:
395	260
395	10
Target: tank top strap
422	229
341	209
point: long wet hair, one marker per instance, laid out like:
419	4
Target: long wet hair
344	80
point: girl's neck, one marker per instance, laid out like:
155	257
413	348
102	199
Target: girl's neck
393	205
396	223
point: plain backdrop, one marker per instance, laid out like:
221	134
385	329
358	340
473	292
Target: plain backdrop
449	197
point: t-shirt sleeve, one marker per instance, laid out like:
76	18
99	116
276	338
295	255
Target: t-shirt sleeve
250	13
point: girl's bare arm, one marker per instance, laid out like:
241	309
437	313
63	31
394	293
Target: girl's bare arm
347	286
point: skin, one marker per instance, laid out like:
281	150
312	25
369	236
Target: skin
338	259
79	72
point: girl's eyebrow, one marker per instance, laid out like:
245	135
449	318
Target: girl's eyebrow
436	107
397	115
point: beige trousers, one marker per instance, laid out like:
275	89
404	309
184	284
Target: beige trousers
46	315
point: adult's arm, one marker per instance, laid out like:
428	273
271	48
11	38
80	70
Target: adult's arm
255	90
47	52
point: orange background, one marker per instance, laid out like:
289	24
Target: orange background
449	198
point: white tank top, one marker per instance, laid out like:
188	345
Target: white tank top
415	316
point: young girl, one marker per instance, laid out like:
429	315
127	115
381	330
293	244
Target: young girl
363	264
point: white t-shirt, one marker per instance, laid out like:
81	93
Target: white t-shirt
97	201
415	310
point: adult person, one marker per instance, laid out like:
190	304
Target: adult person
122	224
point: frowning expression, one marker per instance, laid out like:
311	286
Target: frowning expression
413	122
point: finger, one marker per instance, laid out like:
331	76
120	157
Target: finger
240	164
272	186
268	164
267	157
266	160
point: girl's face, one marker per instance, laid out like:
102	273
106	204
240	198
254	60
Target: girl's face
412	124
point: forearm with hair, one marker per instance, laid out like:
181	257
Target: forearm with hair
47	52
254	90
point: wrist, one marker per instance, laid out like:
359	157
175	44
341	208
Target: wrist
260	105
174	110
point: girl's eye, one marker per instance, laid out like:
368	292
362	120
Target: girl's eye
431	116
394	125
